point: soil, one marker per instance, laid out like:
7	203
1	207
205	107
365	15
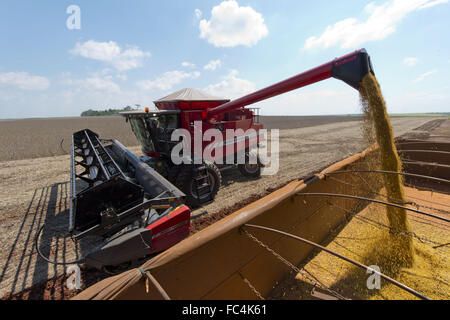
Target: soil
46	137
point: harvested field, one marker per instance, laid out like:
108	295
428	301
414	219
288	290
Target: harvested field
37	138
35	191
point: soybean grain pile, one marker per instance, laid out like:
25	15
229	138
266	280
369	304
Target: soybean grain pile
403	245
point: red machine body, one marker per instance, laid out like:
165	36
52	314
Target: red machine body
193	109
239	128
170	229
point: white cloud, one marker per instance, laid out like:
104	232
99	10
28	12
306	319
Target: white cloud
198	14
93	83
382	22
213	65
432	4
370	7
101	84
98	82
167	80
187	64
24	81
111	52
103	51
231	86
423	76
231	25
410	62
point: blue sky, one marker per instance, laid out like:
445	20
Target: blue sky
133	52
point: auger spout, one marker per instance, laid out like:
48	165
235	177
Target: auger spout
350	68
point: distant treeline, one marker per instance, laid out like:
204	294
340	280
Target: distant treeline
107	112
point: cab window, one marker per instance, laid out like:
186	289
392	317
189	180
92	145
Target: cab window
140	130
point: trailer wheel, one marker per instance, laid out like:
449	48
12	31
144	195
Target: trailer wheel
248	169
185	182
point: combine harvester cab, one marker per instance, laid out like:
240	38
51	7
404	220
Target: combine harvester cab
116	196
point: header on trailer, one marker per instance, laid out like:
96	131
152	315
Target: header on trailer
110	186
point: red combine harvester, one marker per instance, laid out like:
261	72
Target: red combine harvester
200	182
137	205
